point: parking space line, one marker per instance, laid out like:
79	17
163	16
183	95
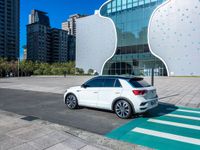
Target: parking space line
167	136
174	124
184	110
181	116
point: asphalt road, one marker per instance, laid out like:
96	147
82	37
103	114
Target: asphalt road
50	107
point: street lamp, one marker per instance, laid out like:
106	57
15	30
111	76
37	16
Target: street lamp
18	66
152	76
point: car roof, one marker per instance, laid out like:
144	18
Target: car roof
119	77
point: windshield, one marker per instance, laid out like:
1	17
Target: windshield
139	83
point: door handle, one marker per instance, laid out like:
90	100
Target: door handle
117	92
95	92
78	90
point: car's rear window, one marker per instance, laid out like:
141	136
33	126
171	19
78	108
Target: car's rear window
139	83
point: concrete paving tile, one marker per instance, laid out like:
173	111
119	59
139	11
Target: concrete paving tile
59	136
193	105
60	146
9	114
33	134
22	130
10	142
11	126
89	147
3	129
74	143
49	140
29	135
3	136
24	147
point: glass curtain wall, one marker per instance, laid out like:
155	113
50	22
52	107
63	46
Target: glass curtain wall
131	18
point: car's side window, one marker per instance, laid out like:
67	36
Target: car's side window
117	83
109	82
95	83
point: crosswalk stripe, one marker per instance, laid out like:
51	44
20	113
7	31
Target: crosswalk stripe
181	116
174	124
184	110
167	136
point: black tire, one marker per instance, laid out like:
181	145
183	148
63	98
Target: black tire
123	109
71	101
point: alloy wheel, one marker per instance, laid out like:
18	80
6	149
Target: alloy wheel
71	101
123	109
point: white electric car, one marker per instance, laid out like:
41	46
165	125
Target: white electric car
123	95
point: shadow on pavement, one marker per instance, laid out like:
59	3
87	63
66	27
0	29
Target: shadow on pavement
161	110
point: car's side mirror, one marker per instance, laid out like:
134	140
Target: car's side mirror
84	86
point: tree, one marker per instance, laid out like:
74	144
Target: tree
70	67
90	71
6	67
1	67
13	67
79	71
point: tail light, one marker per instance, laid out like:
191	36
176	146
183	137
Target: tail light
139	92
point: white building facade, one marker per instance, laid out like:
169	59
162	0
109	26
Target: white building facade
134	36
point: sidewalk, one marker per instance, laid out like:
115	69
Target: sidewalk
19	134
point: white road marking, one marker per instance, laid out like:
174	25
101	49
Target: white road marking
180	116
168	136
175	124
184	110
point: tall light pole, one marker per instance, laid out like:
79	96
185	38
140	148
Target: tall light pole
152	76
18	66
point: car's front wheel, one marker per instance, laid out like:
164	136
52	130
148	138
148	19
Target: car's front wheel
123	109
71	101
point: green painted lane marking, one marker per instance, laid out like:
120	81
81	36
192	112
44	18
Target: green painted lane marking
184	110
185	113
181	116
171	129
185	121
157	142
169	136
117	133
176	124
179	120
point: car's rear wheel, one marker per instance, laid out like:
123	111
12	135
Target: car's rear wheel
123	109
71	101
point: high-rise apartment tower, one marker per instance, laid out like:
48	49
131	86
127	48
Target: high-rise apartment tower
9	28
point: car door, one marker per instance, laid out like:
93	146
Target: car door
111	90
88	95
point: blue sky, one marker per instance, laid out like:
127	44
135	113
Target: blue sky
58	11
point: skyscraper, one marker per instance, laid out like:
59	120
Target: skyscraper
45	44
38	37
9	28
71	55
59	45
38	42
70	24
40	17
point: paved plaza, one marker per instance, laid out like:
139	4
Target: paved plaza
57	128
181	91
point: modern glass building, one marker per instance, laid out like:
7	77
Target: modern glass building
131	18
134	36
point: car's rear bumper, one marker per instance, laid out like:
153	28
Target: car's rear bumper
149	104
